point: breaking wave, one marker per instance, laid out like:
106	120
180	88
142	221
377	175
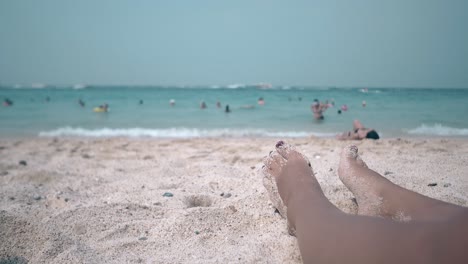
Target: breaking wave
438	130
176	133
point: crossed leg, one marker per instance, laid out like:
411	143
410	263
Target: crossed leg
327	235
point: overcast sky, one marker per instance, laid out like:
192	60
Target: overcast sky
371	43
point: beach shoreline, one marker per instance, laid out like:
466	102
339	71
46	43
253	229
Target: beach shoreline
199	200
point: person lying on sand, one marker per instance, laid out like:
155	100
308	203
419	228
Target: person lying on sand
359	132
393	225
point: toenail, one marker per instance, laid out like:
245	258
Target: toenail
279	143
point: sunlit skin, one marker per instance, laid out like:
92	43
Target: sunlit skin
359	132
394	225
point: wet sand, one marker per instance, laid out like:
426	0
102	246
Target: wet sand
121	200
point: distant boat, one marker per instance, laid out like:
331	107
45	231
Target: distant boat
79	86
264	85
235	86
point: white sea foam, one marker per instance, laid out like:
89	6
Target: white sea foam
438	130
176	133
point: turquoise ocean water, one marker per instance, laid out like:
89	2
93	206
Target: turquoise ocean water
286	113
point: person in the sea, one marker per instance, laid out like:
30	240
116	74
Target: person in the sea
7	102
202	105
102	108
218	104
318	109
393	225
227	110
359	132
172	102
261	101
81	103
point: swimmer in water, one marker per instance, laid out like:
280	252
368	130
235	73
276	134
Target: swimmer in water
364	103
7	102
102	108
202	105
261	101
317	109
172	102
81	103
218	104
227	110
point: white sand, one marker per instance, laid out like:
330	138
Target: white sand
101	200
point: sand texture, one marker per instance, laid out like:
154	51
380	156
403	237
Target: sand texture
81	200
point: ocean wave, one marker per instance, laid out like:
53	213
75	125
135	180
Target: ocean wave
176	133
438	130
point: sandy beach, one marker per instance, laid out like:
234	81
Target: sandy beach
124	200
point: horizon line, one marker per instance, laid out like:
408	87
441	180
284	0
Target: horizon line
261	85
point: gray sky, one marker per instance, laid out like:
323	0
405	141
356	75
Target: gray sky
398	43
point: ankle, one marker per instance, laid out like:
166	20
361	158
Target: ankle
303	189
308	204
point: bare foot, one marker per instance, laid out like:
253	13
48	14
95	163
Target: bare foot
377	196
288	175
363	182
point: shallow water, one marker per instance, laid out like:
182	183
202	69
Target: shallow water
286	113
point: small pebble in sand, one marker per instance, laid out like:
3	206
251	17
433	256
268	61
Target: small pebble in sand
232	208
447	185
157	203
252	167
142	238
23	162
227	195
196	232
432	184
66	199
388	172
3	173
222	194
86	156
11	198
168	194
331	169
37	197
